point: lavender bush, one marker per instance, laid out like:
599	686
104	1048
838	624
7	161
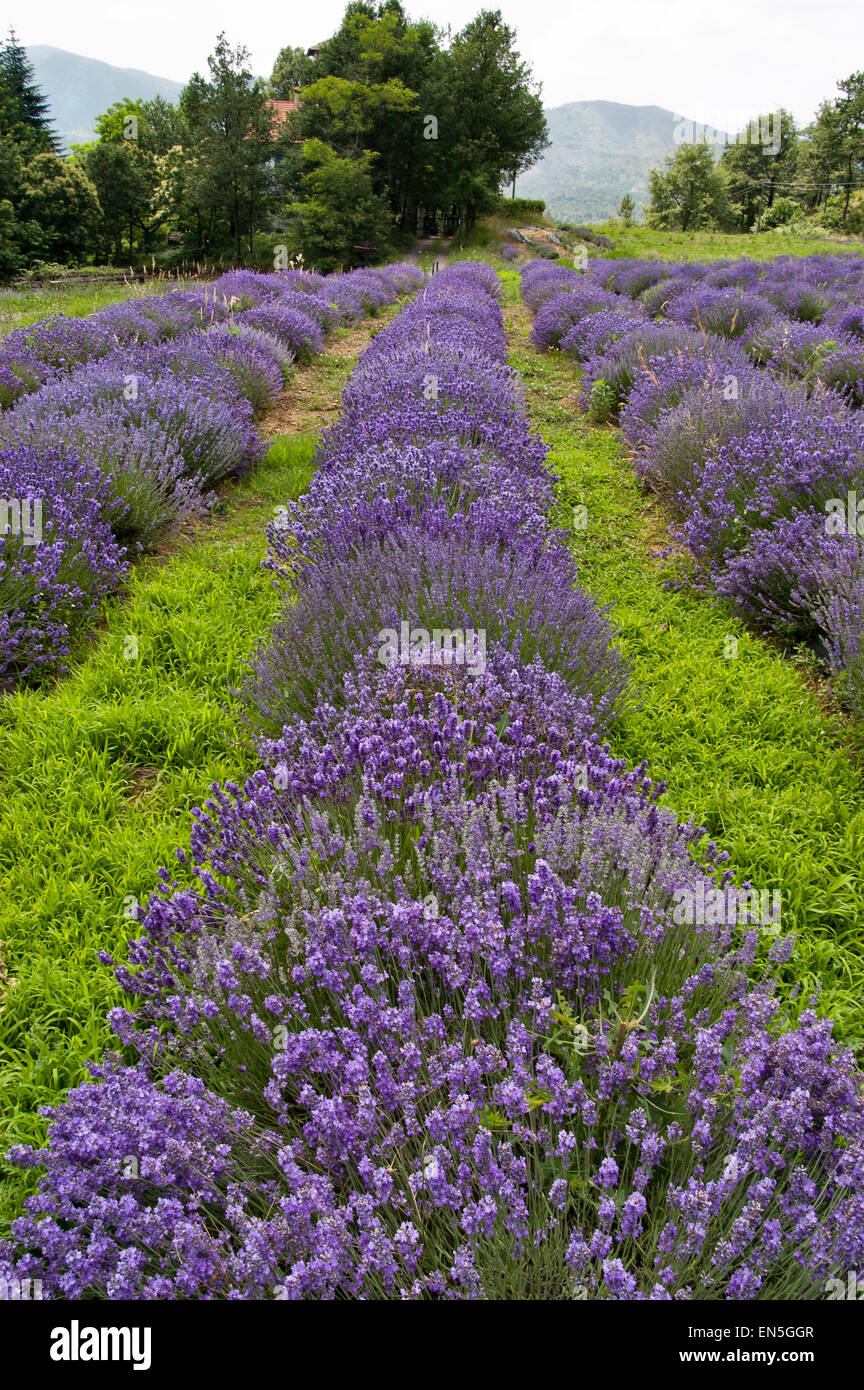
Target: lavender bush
158	395
750	452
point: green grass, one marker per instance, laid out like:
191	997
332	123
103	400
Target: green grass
744	744
644	242
18	307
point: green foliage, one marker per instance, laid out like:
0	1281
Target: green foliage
58	211
781	212
340	211
603	402
290	71
758	168
124	180
10	256
230	129
626	209
518	208
689	192
449	126
24	118
495	112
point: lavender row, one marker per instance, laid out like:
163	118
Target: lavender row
119	424
739	388
455	1009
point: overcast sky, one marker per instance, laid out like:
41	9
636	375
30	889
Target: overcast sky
718	61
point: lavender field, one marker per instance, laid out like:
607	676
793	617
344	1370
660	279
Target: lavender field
441	1002
739	388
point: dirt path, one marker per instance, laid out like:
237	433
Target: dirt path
428	244
311	398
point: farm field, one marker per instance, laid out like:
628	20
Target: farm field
157	730
445	997
74	297
706	246
754	747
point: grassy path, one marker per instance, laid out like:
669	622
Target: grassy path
744	739
98	775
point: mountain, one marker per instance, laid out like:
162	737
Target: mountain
79	89
600	150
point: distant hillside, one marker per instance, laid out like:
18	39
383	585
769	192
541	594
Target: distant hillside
79	89
600	151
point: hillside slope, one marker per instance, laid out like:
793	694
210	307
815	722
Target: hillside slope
600	151
79	89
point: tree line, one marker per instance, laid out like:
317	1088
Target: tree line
773	175
339	156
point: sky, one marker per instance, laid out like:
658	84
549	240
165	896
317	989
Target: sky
718	63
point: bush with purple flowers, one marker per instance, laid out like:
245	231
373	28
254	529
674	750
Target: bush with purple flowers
156	397
750	428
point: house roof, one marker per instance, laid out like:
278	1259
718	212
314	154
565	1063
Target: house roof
279	113
281	109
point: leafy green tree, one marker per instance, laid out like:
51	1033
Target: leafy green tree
162	127
850	133
489	113
626	209
344	112
832	157
819	157
366	90
122	122
11	260
125	181
757	173
62	208
689	192
340	210
291	70
230	127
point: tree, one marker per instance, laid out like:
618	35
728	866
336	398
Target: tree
850	133
162	127
489	113
626	209
125	181
25	101
230	127
367	89
689	192
755	173
819	157
340	210
60	203
291	70
10	254
345	112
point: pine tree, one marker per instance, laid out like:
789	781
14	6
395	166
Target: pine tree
28	102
